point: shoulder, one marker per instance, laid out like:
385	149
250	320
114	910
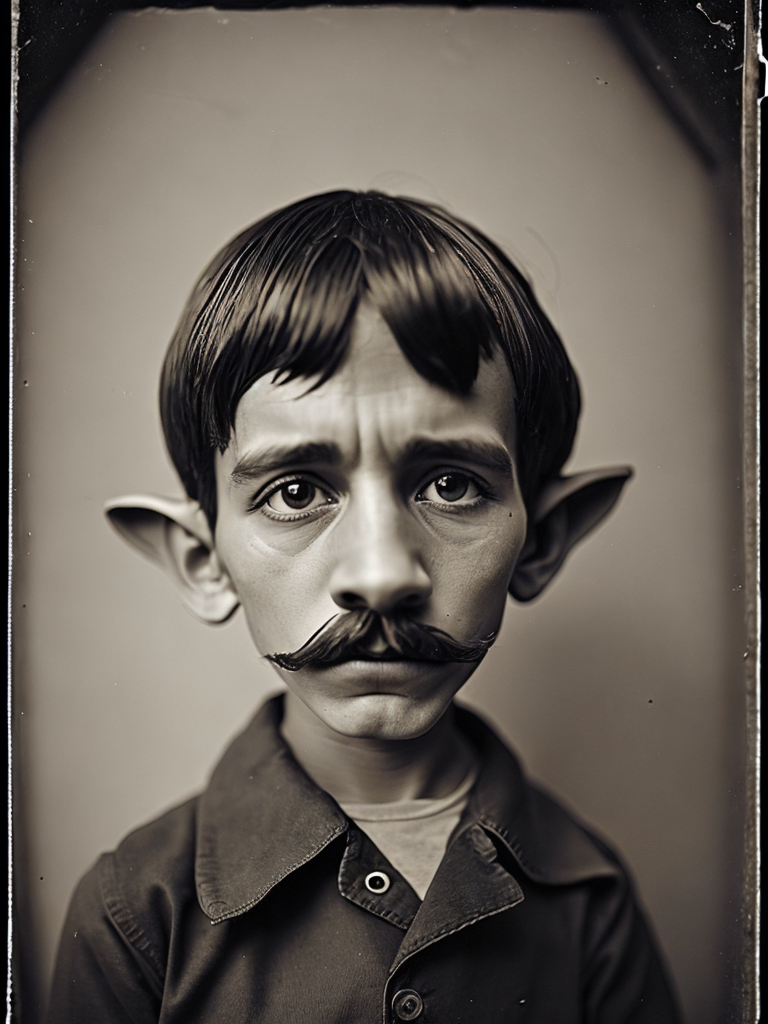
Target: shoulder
143	883
117	931
161	850
582	851
154	865
573	868
549	842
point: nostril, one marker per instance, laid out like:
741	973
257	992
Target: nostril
385	603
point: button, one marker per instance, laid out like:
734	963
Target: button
407	1004
378	882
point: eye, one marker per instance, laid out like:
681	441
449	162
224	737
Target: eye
294	499
451	489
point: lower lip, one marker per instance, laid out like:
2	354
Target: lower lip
366	672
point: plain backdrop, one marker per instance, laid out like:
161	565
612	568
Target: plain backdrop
622	688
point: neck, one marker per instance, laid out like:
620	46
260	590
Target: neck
364	770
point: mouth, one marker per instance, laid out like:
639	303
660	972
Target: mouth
384	655
360	674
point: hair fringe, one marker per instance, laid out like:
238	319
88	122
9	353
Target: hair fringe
282	296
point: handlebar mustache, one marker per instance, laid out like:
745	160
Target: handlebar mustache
349	635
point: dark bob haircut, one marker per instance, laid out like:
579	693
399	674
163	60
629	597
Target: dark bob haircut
282	296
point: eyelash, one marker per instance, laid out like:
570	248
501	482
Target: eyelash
485	492
261	502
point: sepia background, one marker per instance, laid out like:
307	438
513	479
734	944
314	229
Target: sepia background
622	688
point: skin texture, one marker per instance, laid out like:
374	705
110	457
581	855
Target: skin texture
379	493
368	521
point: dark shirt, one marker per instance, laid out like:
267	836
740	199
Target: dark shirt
250	903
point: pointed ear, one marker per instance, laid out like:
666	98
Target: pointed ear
174	534
565	510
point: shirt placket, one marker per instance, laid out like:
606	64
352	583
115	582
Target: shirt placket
367	879
469	886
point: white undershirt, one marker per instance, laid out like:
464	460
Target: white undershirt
413	834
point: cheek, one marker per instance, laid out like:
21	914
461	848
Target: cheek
471	580
282	595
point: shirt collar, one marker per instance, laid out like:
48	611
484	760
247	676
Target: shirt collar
550	845
261	817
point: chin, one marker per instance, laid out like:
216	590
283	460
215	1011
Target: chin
383	716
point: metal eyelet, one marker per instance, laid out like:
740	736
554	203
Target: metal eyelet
377	882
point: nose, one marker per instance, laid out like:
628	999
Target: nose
378	563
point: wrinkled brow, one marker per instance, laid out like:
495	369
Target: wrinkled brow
485	454
264	461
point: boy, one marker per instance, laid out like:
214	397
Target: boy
369	413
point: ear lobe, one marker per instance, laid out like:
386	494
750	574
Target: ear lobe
565	511
174	534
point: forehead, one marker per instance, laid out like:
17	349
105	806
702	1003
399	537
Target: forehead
375	397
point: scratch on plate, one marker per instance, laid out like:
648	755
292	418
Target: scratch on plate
722	24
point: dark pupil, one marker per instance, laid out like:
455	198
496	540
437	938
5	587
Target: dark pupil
452	486
298	494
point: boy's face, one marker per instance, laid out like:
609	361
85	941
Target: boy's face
378	490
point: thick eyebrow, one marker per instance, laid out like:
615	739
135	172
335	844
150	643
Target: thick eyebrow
485	454
266	461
